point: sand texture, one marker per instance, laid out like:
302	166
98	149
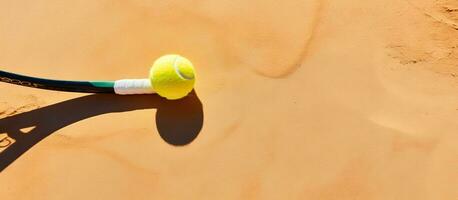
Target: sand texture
294	99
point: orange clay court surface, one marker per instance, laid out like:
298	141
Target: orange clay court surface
294	99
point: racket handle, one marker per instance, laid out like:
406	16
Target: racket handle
133	86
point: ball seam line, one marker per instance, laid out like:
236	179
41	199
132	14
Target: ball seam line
177	71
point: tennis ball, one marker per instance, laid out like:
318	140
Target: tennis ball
172	76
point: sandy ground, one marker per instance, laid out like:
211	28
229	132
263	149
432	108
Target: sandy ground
308	99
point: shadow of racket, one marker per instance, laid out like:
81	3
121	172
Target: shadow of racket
178	122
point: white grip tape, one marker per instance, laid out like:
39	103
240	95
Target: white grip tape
133	86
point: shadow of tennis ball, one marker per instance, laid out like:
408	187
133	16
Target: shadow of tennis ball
180	121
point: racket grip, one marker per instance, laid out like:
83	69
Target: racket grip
133	86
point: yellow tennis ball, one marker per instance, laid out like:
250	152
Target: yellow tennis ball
172	76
